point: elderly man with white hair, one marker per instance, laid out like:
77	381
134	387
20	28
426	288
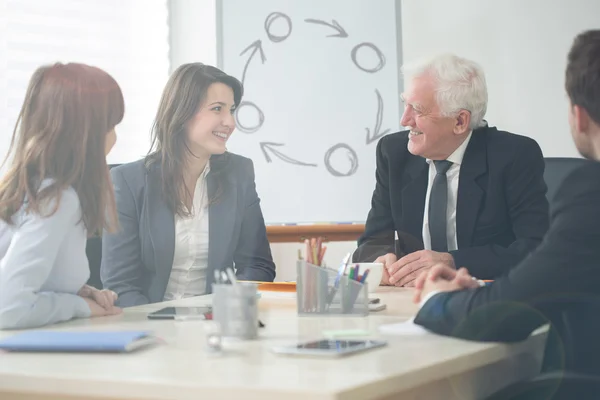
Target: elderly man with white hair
456	190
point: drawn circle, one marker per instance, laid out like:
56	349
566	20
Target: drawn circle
352	157
274	16
249	128
375	49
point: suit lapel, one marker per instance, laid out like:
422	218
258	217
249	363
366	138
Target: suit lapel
221	219
470	192
161	223
413	196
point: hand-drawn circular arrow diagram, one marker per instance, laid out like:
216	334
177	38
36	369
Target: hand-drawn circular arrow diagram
250	118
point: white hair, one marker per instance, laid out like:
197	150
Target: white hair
460	85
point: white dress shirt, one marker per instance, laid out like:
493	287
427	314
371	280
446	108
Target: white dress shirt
190	260
452	176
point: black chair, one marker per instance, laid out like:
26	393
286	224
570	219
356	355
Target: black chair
572	357
557	169
553	386
569	370
93	250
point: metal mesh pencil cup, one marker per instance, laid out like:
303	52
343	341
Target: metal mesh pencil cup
322	291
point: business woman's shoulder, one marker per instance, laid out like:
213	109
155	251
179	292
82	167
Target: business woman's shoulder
133	173
239	165
130	170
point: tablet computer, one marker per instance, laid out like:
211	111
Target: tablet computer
329	347
182	313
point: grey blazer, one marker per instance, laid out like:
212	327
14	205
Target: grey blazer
137	260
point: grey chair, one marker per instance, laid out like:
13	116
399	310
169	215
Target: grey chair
93	250
568	328
573	351
553	386
557	169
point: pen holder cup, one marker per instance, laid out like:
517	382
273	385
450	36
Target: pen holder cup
321	291
235	309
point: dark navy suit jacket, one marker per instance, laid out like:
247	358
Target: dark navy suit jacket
558	283
501	212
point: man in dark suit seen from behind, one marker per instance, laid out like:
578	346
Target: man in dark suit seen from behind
562	276
458	191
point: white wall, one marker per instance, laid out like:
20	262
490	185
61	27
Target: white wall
193	36
522	46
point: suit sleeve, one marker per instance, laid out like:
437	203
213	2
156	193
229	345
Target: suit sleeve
121	268
252	256
563	266
28	263
378	238
528	213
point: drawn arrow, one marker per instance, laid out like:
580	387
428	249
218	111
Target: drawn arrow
269	146
376	134
341	32
255	46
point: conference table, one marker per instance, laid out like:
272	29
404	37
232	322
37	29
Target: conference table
411	366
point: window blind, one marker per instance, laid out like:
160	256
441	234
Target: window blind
127	38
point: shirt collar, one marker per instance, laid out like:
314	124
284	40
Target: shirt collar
457	156
207	169
204	173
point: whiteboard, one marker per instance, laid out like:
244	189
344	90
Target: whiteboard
321	86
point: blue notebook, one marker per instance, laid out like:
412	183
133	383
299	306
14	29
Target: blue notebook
60	341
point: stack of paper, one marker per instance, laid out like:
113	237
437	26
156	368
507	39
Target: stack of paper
406	328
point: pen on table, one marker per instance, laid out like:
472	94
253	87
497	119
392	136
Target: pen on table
482	282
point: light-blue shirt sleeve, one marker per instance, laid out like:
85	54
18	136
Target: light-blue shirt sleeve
29	260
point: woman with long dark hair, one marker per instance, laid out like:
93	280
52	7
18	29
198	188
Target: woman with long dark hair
189	208
55	193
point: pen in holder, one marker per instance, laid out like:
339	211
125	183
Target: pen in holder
325	291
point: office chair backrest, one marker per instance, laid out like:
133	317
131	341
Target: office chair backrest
93	250
557	169
552	386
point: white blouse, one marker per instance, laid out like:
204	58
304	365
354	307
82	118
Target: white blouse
190	260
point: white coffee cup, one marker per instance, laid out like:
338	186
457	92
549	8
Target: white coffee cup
374	276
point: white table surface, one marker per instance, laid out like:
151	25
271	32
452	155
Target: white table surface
410	367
